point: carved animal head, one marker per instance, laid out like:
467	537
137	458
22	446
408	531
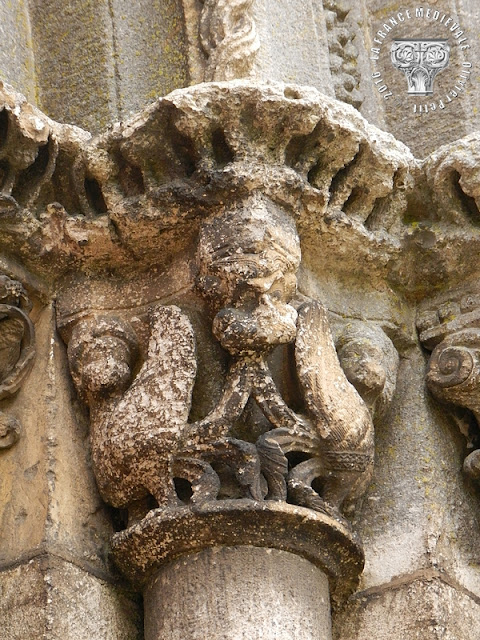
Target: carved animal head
101	355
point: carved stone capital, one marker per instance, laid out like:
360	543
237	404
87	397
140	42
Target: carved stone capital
137	371
221	178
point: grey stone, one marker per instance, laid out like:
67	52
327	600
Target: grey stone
427	606
150	51
238	593
17	65
74	61
293	49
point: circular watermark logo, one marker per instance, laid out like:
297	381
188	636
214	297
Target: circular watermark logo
420	60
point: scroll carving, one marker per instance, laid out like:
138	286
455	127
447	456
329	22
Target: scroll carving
17	351
452	332
143	444
229	38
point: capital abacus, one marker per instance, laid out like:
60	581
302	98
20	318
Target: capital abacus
431	15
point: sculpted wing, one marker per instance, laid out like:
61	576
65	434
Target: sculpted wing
136	438
340	415
160	397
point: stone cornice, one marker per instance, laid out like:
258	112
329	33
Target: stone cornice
134	196
139	189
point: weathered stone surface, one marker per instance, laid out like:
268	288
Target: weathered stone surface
110	224
238	593
84	606
23	605
164	535
48	503
342	29
50	598
426	606
16	54
74	61
150	51
418	511
229	38
309	153
145	450
292	50
141	50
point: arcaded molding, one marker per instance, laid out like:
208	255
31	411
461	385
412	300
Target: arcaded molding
99	202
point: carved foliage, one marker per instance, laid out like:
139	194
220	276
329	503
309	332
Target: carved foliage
453	376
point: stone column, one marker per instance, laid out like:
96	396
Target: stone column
238	592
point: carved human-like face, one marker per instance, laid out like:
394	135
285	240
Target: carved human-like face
249	253
248	259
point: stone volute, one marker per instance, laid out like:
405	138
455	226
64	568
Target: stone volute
222	424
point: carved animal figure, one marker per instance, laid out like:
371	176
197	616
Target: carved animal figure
140	436
135	429
337	432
